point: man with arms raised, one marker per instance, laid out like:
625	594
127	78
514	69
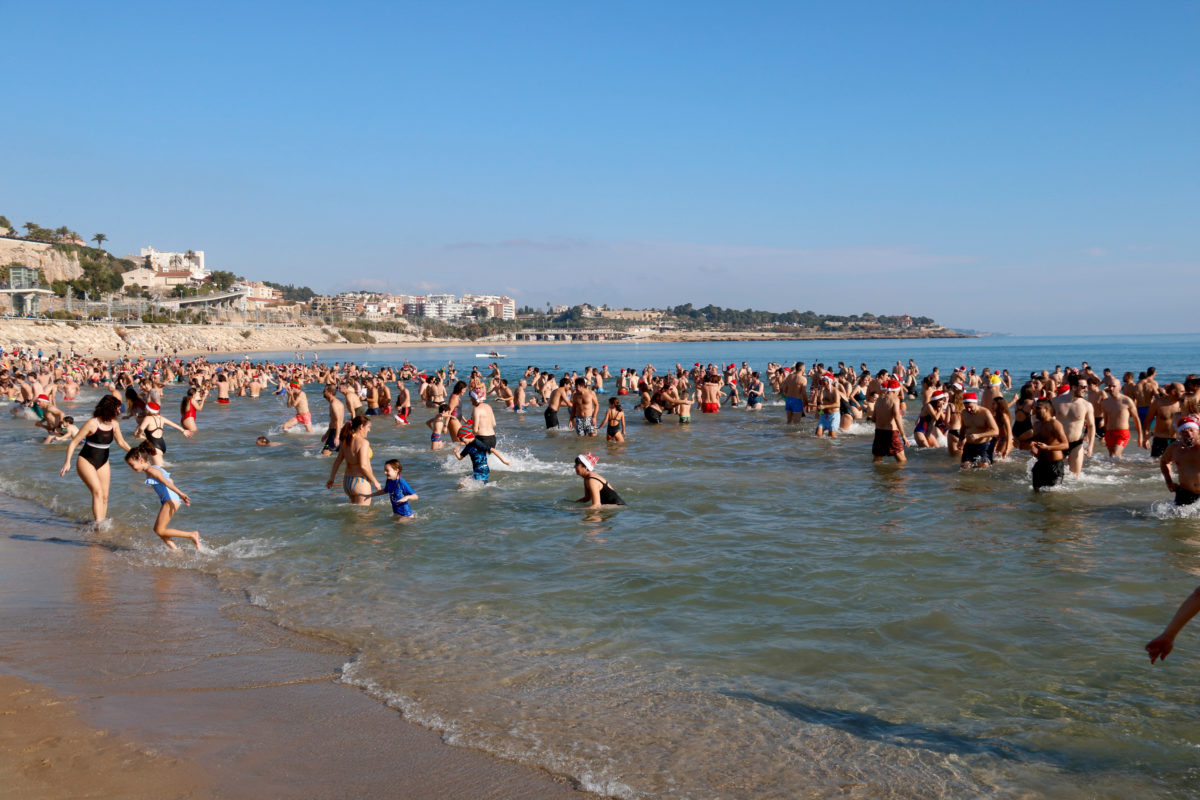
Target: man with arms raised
1074	412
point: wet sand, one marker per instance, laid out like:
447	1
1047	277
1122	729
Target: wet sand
124	682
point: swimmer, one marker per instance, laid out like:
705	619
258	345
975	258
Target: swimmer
331	441
478	453
614	421
169	495
888	416
585	407
1078	421
97	436
596	490
1184	453
151	428
263	441
297	399
1048	443
359	481
438	427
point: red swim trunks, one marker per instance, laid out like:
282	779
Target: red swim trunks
887	443
710	408
304	419
1115	439
223	400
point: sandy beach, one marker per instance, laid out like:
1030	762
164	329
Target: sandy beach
117	682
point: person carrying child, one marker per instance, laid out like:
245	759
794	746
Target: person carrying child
479	459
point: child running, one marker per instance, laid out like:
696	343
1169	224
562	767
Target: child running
479	459
141	459
438	426
397	489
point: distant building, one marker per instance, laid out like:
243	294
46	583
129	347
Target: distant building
192	261
258	293
630	313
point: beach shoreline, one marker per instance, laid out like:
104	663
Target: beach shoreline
191	691
110	340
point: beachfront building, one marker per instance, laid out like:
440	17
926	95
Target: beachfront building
192	262
158	281
258	294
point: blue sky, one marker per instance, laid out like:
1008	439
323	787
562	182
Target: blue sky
1023	167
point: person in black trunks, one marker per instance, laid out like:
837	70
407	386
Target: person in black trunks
595	488
1184	453
97	436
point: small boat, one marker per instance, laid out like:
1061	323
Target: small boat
492	354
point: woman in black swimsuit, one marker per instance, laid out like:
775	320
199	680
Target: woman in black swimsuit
152	427
97	436
596	490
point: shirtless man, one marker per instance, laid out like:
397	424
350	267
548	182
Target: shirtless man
1116	411
828	400
1146	391
484	419
1048	443
1158	419
888	416
332	441
297	399
403	402
794	389
521	397
354	406
979	431
710	395
557	397
1074	412
584	408
1184	453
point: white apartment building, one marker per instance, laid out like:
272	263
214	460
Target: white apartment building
191	261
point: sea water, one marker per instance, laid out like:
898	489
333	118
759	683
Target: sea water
771	616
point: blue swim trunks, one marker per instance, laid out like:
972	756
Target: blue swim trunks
794	404
830	421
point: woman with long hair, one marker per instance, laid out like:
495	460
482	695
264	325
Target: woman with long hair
97	436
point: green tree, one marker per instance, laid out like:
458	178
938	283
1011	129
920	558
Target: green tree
99	239
4	223
222	279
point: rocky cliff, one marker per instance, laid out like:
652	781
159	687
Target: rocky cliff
55	266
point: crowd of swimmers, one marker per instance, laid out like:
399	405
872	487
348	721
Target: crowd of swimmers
976	417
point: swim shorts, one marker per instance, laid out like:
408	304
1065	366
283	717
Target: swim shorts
829	421
653	416
1115	439
887	443
1185	498
710	408
304	419
976	453
794	405
584	426
1159	446
223	401
327	441
551	415
1048	473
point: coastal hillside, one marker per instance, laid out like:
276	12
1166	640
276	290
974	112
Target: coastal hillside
56	264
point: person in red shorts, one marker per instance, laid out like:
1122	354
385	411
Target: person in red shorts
710	395
1117	412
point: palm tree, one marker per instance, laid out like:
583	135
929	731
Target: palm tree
99	239
62	232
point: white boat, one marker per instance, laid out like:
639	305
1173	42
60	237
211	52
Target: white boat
489	355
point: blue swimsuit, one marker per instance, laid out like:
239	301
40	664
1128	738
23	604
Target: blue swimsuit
161	489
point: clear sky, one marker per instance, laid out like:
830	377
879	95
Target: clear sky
1022	167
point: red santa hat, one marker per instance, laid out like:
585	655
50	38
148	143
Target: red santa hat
970	397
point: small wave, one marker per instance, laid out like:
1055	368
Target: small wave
1166	509
247	548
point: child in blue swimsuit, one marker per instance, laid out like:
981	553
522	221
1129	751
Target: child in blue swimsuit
397	489
479	459
141	459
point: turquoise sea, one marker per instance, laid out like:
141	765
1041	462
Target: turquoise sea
771	616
